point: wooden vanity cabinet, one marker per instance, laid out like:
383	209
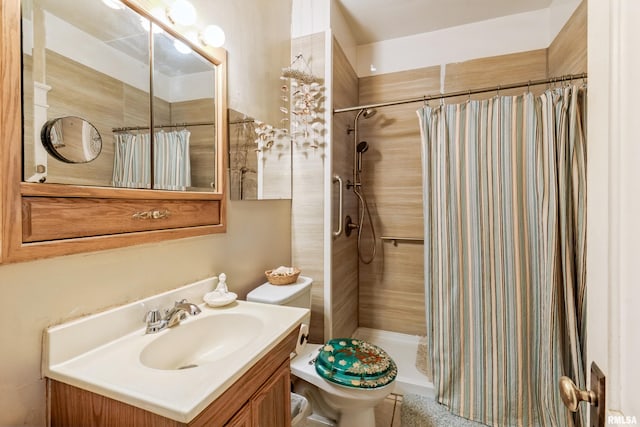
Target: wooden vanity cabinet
242	418
260	398
269	407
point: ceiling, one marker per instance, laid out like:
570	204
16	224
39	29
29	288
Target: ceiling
121	29
376	20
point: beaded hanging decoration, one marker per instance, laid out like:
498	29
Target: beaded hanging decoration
301	96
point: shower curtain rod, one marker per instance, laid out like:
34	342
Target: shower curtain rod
178	125
470	92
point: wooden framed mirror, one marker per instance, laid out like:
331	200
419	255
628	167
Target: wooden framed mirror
51	207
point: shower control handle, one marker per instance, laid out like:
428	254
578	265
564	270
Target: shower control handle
338	232
350	226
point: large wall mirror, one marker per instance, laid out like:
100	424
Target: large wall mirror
84	60
259	159
115	129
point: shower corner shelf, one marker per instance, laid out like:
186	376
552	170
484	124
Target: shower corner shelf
395	240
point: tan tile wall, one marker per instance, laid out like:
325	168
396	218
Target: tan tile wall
104	101
97	98
202	139
307	204
392	287
568	52
344	273
108	103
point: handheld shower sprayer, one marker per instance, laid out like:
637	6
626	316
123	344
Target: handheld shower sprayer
361	148
358	149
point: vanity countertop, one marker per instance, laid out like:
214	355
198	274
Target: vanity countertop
102	353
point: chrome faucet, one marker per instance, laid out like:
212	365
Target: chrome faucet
172	317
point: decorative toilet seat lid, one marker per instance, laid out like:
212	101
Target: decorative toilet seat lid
355	363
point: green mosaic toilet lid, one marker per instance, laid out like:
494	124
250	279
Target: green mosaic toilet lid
355	363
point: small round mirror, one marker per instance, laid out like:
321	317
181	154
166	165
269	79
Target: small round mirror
71	139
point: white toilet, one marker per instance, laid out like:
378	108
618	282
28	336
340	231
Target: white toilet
334	393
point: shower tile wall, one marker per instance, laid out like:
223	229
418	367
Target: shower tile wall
392	286
344	272
113	101
391	291
202	139
307	204
568	52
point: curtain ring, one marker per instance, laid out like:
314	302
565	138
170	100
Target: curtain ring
529	86
469	96
498	91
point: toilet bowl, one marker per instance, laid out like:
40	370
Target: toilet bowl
340	396
355	406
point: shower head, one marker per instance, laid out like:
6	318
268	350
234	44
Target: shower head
369	112
362	147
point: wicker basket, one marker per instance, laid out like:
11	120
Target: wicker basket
279	279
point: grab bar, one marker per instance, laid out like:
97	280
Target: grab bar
395	240
338	232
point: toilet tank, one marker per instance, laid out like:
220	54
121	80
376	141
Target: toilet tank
297	294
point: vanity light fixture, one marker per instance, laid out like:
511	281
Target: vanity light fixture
182	13
213	36
114	4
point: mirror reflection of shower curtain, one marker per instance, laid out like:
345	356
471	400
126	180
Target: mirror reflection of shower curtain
505	242
172	164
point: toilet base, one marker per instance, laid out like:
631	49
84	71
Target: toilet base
319	408
322	408
361	417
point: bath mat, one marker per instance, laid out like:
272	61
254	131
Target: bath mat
424	411
422	358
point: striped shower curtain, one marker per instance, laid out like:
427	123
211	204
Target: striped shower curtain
131	167
504	213
172	164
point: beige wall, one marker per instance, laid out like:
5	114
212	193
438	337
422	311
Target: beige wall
41	293
392	287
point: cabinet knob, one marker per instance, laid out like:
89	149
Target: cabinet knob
152	214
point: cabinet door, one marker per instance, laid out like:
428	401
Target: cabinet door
52	218
271	405
242	418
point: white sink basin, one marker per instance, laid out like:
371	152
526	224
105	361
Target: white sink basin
109	353
203	340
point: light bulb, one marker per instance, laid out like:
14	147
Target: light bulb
213	36
114	4
182	12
